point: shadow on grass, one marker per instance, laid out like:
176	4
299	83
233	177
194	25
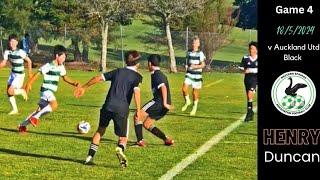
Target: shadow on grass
63	134
186	115
28	154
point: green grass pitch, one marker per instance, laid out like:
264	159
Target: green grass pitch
55	150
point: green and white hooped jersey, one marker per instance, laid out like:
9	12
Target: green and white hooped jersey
16	59
51	75
194	58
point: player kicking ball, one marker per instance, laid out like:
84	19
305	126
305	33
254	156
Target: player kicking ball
15	82
156	108
51	74
124	83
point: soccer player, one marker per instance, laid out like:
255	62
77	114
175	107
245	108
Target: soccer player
249	65
194	66
51	74
16	57
156	108
124	83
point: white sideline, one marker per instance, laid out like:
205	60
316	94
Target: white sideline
213	83
202	150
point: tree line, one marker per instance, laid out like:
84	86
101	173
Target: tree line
90	21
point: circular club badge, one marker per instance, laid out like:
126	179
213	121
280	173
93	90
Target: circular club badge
293	93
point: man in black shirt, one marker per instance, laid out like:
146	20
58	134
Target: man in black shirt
124	83
249	65
156	108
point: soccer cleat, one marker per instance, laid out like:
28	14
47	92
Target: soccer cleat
34	121
141	143
168	142
184	108
24	95
194	110
122	157
249	116
22	129
13	112
89	160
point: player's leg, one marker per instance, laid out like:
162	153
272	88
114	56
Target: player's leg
185	92
14	88
138	125
48	103
196	93
150	126
103	124
250	85
22	128
121	128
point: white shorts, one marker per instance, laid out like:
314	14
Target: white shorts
195	84
16	80
47	96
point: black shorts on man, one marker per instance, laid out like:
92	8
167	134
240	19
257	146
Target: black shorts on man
116	106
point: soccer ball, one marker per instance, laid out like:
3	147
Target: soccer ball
83	127
288	102
300	102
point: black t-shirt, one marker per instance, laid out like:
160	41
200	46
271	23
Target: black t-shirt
248	63
123	82
157	80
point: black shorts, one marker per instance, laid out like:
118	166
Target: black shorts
250	83
120	122
155	110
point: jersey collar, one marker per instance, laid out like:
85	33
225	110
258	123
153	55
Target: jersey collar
155	69
133	68
251	59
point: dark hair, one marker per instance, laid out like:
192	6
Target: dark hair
12	36
253	43
26	35
132	58
59	49
154	59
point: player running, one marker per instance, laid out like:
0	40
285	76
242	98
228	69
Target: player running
156	108
194	66
15	82
249	65
124	83
51	74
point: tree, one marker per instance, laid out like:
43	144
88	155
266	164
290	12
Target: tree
168	9
15	15
214	24
248	14
105	12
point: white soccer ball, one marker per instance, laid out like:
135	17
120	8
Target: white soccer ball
83	127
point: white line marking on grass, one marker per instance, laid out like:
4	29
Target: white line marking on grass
202	150
214	83
240	142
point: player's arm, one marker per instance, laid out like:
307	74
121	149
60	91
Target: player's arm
164	93
81	89
70	81
29	62
3	63
198	66
31	81
243	67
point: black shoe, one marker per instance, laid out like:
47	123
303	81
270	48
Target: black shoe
249	116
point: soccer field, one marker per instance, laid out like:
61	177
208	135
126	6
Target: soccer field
55	150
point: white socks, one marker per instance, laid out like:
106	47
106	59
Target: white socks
13	103
43	111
